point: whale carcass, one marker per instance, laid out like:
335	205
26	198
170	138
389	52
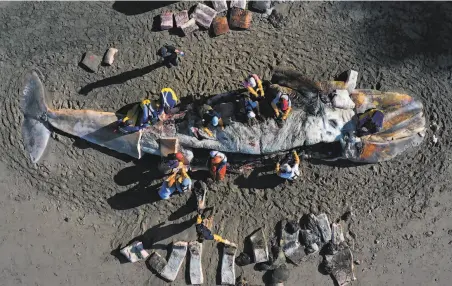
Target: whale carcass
313	123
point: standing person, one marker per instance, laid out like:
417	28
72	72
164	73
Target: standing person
289	170
217	165
170	55
204	226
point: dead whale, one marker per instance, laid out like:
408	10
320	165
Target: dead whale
311	123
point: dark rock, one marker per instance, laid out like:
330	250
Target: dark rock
66	219
327	264
261	5
292	226
243	259
91	61
280	275
278	16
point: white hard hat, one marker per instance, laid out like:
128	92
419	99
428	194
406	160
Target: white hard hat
286	168
285	96
213	153
252	82
251	114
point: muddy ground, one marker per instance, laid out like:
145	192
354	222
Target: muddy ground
63	219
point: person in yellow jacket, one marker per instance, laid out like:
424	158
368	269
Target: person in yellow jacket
254	86
177	181
168	99
289	170
204	226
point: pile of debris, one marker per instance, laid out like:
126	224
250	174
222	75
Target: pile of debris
215	17
296	243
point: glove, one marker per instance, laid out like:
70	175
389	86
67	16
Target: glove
284	117
294	152
276	112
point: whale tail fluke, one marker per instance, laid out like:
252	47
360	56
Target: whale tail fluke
35	128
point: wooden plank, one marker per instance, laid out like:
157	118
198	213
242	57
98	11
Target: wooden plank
168	146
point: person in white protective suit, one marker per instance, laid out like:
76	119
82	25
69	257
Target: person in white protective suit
287	170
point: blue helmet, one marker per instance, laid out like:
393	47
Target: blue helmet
215	121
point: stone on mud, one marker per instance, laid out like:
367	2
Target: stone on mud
291	246
220	25
189	27
238	4
261	5
324	227
174	263
91	61
220	5
166	20
342	267
240	18
196	275
110	56
157	262
181	18
135	252
228	265
204	15
259	245
278	16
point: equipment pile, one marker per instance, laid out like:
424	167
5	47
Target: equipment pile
215	17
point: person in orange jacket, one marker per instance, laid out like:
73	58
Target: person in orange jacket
217	165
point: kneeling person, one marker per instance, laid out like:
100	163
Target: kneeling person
282	105
179	181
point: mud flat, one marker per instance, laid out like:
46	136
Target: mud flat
401	208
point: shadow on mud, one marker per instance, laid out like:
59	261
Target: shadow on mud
189	207
259	178
130	8
161	232
120	78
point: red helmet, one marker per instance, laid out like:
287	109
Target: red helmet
179	156
284	104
